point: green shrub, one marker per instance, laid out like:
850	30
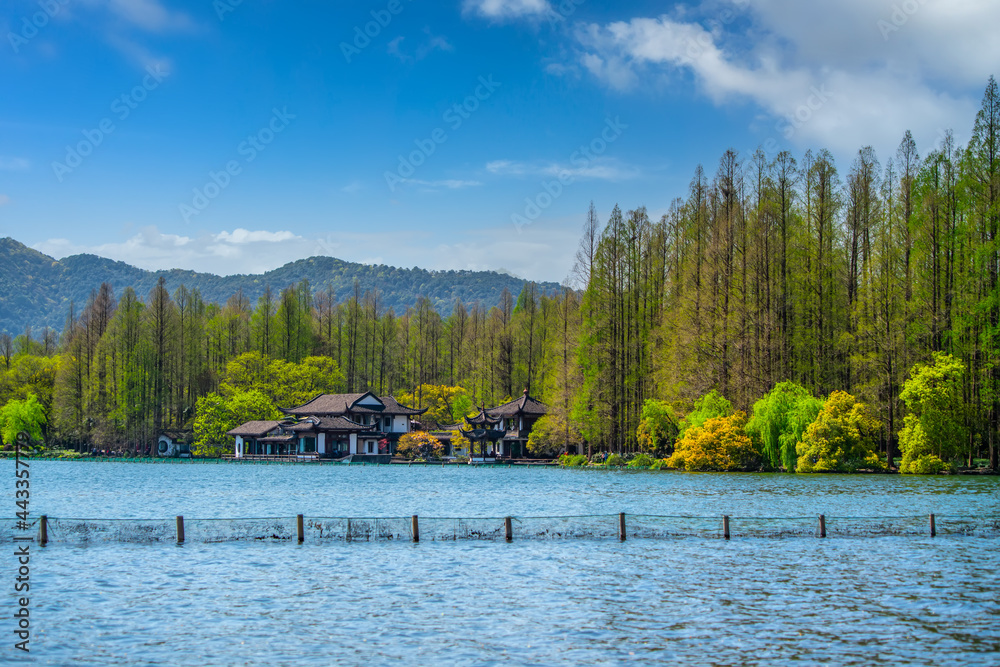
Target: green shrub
615	460
572	461
67	454
210	451
927	464
641	461
844	438
659	464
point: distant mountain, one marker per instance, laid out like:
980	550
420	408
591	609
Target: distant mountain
36	289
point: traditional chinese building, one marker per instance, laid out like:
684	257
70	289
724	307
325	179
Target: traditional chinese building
503	431
329	426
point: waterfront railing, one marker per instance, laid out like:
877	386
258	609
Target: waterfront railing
621	526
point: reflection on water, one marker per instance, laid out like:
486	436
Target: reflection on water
884	600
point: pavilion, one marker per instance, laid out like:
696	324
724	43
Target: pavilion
505	428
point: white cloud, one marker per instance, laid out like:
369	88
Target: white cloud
241	236
147	15
4	200
508	9
449	183
352	187
827	74
425	48
598	168
126	25
14	164
953	42
395	49
224	253
537	252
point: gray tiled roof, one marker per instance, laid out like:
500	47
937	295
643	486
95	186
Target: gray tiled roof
341	404
254	429
526	405
342	424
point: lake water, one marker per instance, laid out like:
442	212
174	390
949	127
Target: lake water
893	599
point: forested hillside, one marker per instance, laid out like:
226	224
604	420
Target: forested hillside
770	270
37	290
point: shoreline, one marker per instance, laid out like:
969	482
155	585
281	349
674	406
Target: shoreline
962	472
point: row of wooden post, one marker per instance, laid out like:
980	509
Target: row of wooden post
508	528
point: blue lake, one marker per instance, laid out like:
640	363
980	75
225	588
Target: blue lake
894	600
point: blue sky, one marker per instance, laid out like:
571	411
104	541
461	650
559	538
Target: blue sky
234	136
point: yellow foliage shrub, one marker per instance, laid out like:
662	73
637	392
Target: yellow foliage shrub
719	444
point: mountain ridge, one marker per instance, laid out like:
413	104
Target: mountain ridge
36	290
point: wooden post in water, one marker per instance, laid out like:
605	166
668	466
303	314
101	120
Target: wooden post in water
508	529
725	526
416	528
180	529
621	526
933	526
300	528
822	525
43	530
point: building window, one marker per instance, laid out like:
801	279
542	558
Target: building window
388	423
309	444
371	447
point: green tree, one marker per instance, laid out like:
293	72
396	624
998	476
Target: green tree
711	405
325	375
658	428
843	438
285	383
779	421
935	428
445	405
215	415
26	415
549	436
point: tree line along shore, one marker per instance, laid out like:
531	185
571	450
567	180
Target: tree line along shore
784	286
